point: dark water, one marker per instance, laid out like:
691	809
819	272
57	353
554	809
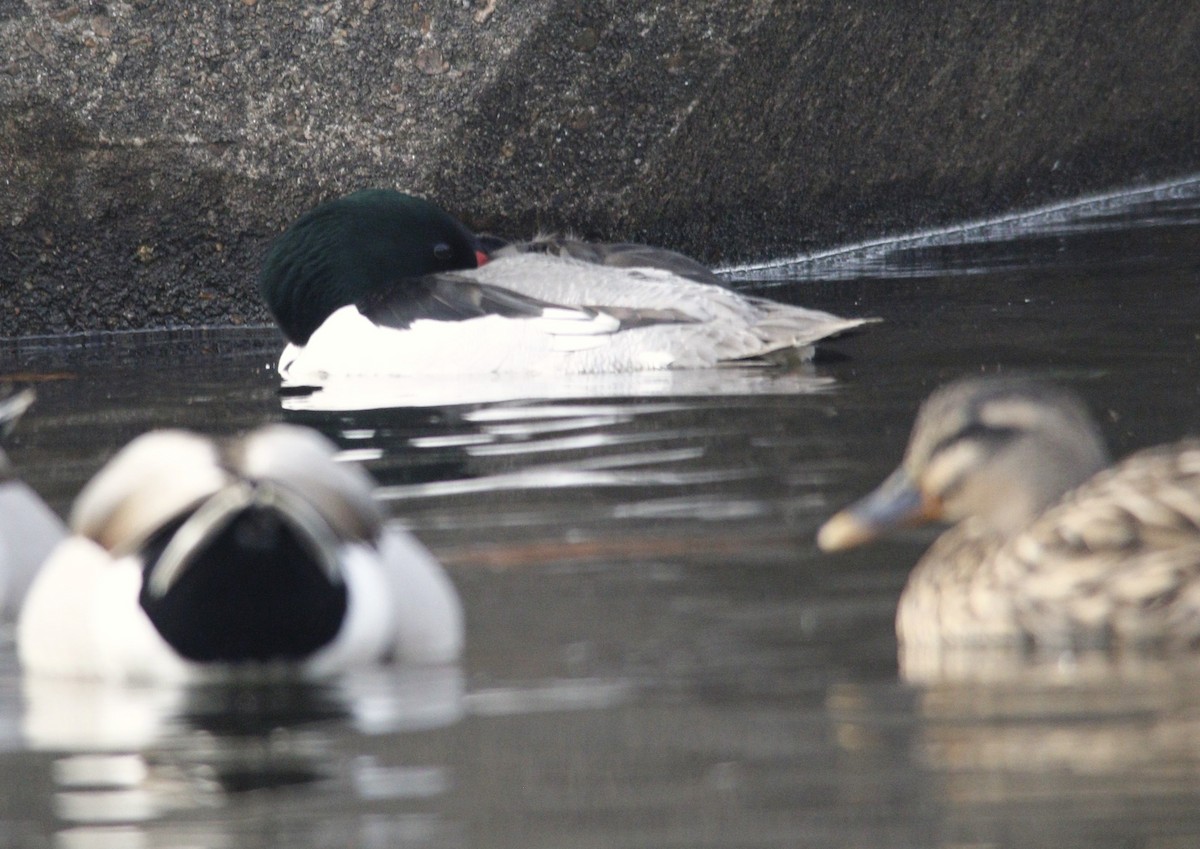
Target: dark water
657	654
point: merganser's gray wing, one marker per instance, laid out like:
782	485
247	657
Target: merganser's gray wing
616	255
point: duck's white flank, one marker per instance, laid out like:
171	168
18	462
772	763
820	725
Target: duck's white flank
407	612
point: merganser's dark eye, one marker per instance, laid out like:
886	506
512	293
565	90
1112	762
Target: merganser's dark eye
442	251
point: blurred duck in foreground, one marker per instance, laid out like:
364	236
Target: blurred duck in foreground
1046	549
190	558
383	283
29	529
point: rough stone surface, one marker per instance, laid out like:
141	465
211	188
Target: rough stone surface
150	151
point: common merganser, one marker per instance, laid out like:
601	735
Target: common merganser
383	283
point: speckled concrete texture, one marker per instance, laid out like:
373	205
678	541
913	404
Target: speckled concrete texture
150	151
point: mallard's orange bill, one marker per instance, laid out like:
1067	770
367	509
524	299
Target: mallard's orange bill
895	503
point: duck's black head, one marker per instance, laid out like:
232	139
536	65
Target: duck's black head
343	249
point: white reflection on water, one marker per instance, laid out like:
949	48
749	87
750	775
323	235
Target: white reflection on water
373	393
579	442
559	477
698	508
63	714
131	764
618	413
98	770
528	428
573	694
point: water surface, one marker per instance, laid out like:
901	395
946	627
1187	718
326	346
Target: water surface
657	654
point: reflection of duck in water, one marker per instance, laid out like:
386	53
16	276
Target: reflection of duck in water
169	760
1044	549
379	282
188	557
1048	760
29	529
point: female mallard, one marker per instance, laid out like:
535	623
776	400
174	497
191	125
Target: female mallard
384	283
190	558
1046	549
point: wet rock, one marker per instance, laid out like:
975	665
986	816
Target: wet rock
430	61
730	130
586	40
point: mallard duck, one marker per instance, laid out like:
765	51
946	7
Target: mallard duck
190	558
1047	547
384	283
29	529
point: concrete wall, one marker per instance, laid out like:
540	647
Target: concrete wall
150	151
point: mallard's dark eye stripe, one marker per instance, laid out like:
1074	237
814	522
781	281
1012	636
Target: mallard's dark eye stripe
986	436
975	432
